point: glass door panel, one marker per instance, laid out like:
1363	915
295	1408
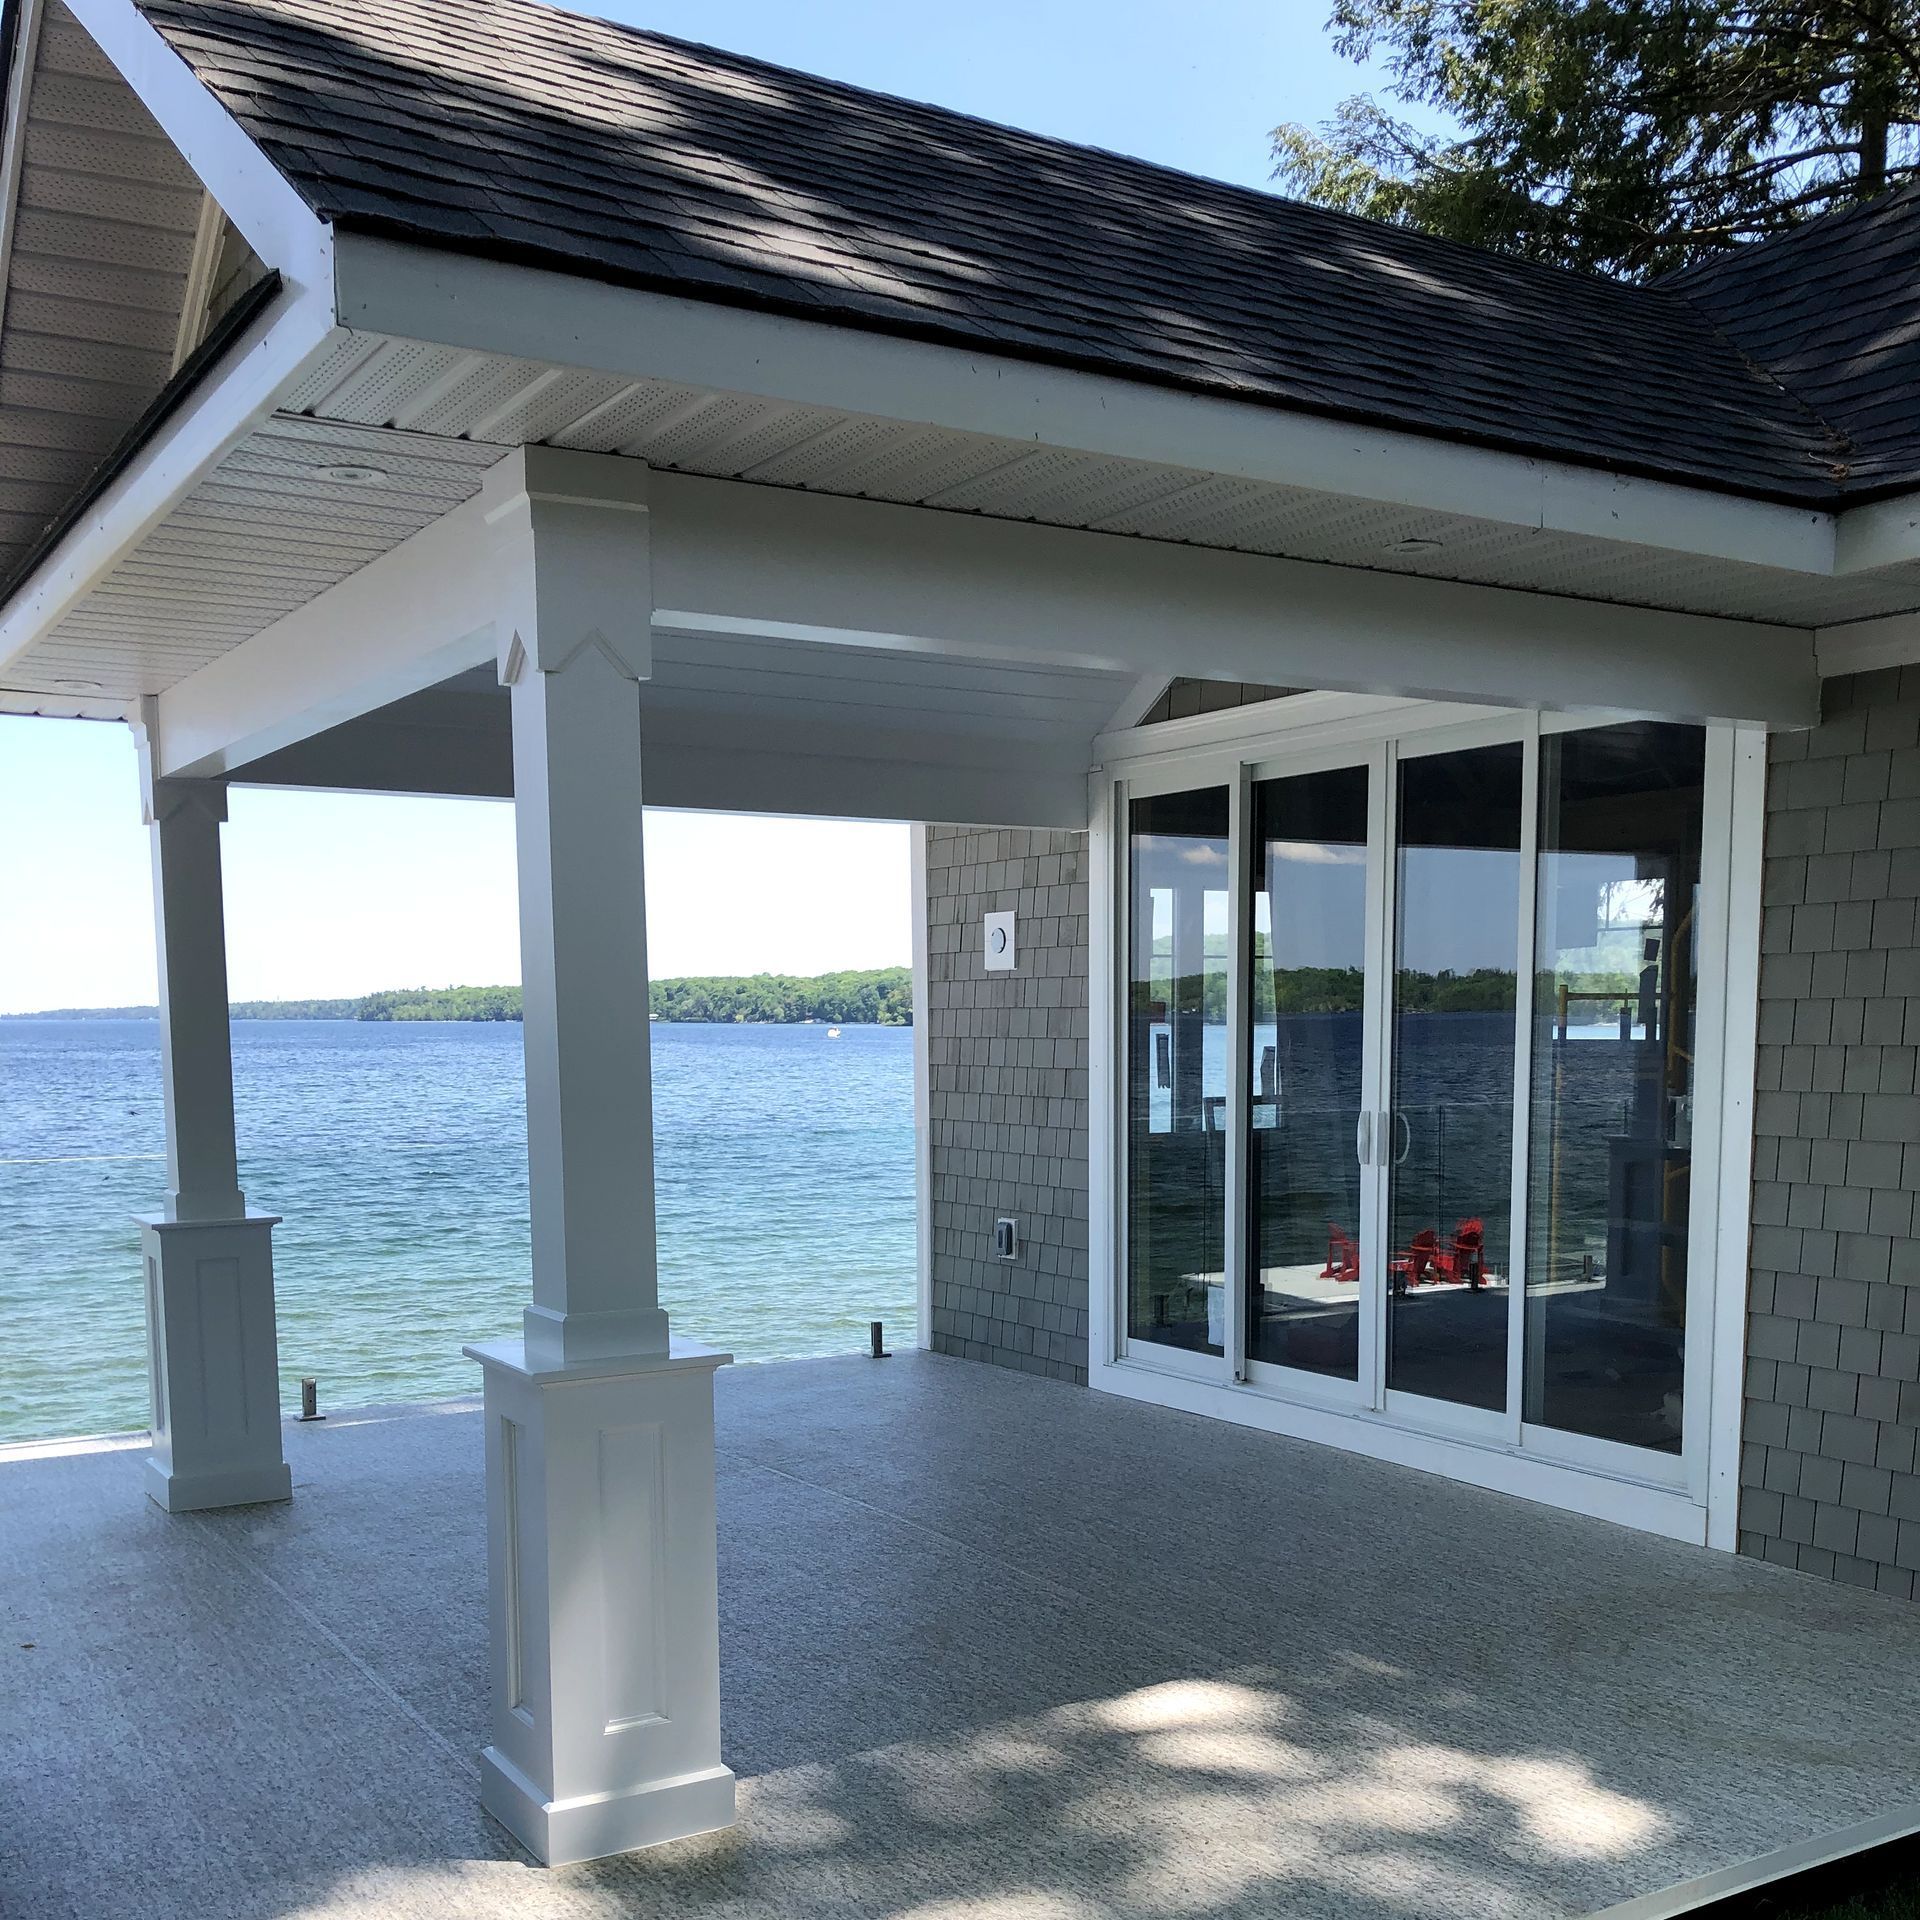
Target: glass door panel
1307	1082
1450	1132
1610	1136
1177	1070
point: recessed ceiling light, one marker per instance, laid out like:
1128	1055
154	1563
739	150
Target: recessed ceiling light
80	686
349	476
1415	546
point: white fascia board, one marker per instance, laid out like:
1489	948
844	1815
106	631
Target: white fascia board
485	306
283	342
419	614
740	558
1864	646
1884	533
281	228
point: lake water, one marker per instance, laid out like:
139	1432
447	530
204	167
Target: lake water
396	1154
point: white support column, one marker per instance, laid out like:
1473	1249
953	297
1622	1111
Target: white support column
604	1612
212	1350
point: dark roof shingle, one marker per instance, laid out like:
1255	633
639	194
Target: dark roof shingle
1832	310
505	126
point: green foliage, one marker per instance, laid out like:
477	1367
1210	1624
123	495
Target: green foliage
876	996
296	1009
880	997
441	1003
1616	136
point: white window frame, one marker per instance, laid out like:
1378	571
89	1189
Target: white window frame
1693	1497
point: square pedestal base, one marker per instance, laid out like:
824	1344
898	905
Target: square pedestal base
562	1831
603	1602
238	1487
213	1363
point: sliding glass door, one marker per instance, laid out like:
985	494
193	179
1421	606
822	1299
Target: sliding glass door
1456	916
1409	1100
1309	1237
1610	1163
1176	1070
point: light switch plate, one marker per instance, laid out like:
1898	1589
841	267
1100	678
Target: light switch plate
997	942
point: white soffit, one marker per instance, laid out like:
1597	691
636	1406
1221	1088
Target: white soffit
266	531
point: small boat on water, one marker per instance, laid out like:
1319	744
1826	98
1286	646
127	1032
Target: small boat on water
833	1033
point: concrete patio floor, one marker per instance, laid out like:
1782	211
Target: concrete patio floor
991	1646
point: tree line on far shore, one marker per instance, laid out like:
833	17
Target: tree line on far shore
874	996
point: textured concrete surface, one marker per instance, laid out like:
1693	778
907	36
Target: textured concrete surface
1007	1097
1833	1348
992	1646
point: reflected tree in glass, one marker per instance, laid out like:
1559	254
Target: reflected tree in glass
1610	1147
1176	1070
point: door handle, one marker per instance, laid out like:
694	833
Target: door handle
1363	1138
1402	1136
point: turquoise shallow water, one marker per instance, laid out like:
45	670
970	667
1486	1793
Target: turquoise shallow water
397	1156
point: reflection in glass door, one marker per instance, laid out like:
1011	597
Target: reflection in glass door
1439	1108
1610	1167
1177	1071
1307	1085
1450	1132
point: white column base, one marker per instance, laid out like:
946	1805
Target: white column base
603	1602
214	1363
561	1831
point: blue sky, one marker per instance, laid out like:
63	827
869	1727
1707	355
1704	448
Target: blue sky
342	894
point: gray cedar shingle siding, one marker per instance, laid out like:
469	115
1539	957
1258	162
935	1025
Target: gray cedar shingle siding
1007	1098
517	130
1828	1469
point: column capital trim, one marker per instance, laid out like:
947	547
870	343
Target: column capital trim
631	658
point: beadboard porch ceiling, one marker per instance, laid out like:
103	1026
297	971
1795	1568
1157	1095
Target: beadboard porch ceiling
272	525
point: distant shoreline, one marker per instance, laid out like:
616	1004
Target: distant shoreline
871	997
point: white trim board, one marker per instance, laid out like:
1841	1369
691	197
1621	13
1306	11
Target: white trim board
918	838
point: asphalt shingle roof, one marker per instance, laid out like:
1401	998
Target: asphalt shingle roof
1832	310
508	127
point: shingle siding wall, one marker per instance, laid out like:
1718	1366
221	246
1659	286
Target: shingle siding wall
1007	1098
1833	1355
